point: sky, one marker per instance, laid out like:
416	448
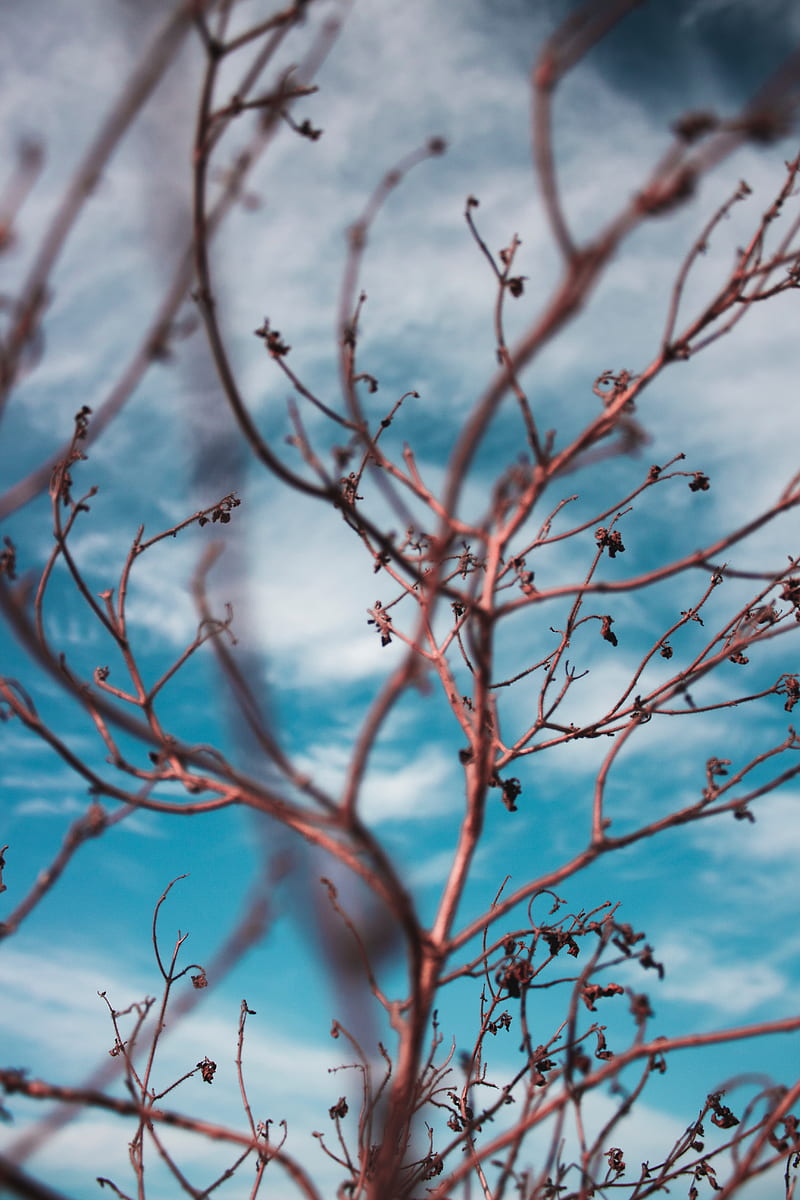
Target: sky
717	900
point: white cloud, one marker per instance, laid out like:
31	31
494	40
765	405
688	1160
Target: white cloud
743	859
771	843
399	785
313	622
701	971
40	807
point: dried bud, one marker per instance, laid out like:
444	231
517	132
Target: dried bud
382	622
594	991
207	1069
606	630
610	540
8	559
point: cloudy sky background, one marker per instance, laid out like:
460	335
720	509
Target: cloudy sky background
717	901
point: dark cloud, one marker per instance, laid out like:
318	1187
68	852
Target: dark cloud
687	49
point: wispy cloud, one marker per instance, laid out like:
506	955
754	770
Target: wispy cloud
699	971
401	784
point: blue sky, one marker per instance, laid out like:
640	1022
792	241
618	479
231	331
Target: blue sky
722	894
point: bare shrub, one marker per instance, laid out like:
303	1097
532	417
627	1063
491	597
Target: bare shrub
499	549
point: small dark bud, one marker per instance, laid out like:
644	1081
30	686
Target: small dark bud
607	631
207	1069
